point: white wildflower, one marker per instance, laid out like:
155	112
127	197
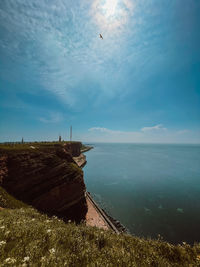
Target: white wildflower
2	227
26	259
47	221
52	250
10	260
2	243
43	259
33	220
69	221
7	232
49	231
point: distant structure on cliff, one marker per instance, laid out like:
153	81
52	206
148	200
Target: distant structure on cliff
22	140
59	138
70	133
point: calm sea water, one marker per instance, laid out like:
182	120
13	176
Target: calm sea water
150	189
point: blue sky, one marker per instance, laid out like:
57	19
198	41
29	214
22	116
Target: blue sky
141	83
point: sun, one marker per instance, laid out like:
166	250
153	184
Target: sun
110	15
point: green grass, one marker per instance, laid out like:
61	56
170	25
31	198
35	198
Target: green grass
29	238
33	146
8	201
18	147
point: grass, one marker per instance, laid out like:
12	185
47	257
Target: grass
8	201
29	238
11	148
28	145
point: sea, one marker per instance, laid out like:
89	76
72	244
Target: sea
152	189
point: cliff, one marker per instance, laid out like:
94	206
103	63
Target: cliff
81	158
74	148
46	177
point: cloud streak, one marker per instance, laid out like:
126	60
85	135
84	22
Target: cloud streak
104	130
53	117
154	128
154	134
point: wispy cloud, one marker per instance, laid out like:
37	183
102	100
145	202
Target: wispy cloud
52	117
104	130
153	128
154	134
102	134
183	131
46	42
57	46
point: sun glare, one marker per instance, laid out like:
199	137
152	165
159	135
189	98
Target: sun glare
110	7
110	15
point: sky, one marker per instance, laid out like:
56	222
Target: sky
141	83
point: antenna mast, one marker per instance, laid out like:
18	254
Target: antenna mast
70	133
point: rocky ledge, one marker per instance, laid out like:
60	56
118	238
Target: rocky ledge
80	160
47	178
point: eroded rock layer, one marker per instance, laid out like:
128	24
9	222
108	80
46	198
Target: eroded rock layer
49	180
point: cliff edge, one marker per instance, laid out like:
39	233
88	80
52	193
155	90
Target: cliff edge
46	177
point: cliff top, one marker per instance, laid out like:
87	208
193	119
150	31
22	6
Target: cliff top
31	146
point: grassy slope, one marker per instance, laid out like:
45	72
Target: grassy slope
28	238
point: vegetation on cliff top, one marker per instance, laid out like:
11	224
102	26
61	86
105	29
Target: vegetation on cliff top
17	146
29	238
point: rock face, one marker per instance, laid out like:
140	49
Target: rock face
80	160
49	180
74	148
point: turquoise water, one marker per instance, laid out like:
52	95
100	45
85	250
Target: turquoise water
150	189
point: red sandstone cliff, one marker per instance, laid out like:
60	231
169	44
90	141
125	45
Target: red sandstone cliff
48	179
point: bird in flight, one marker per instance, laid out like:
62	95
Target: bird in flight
100	36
